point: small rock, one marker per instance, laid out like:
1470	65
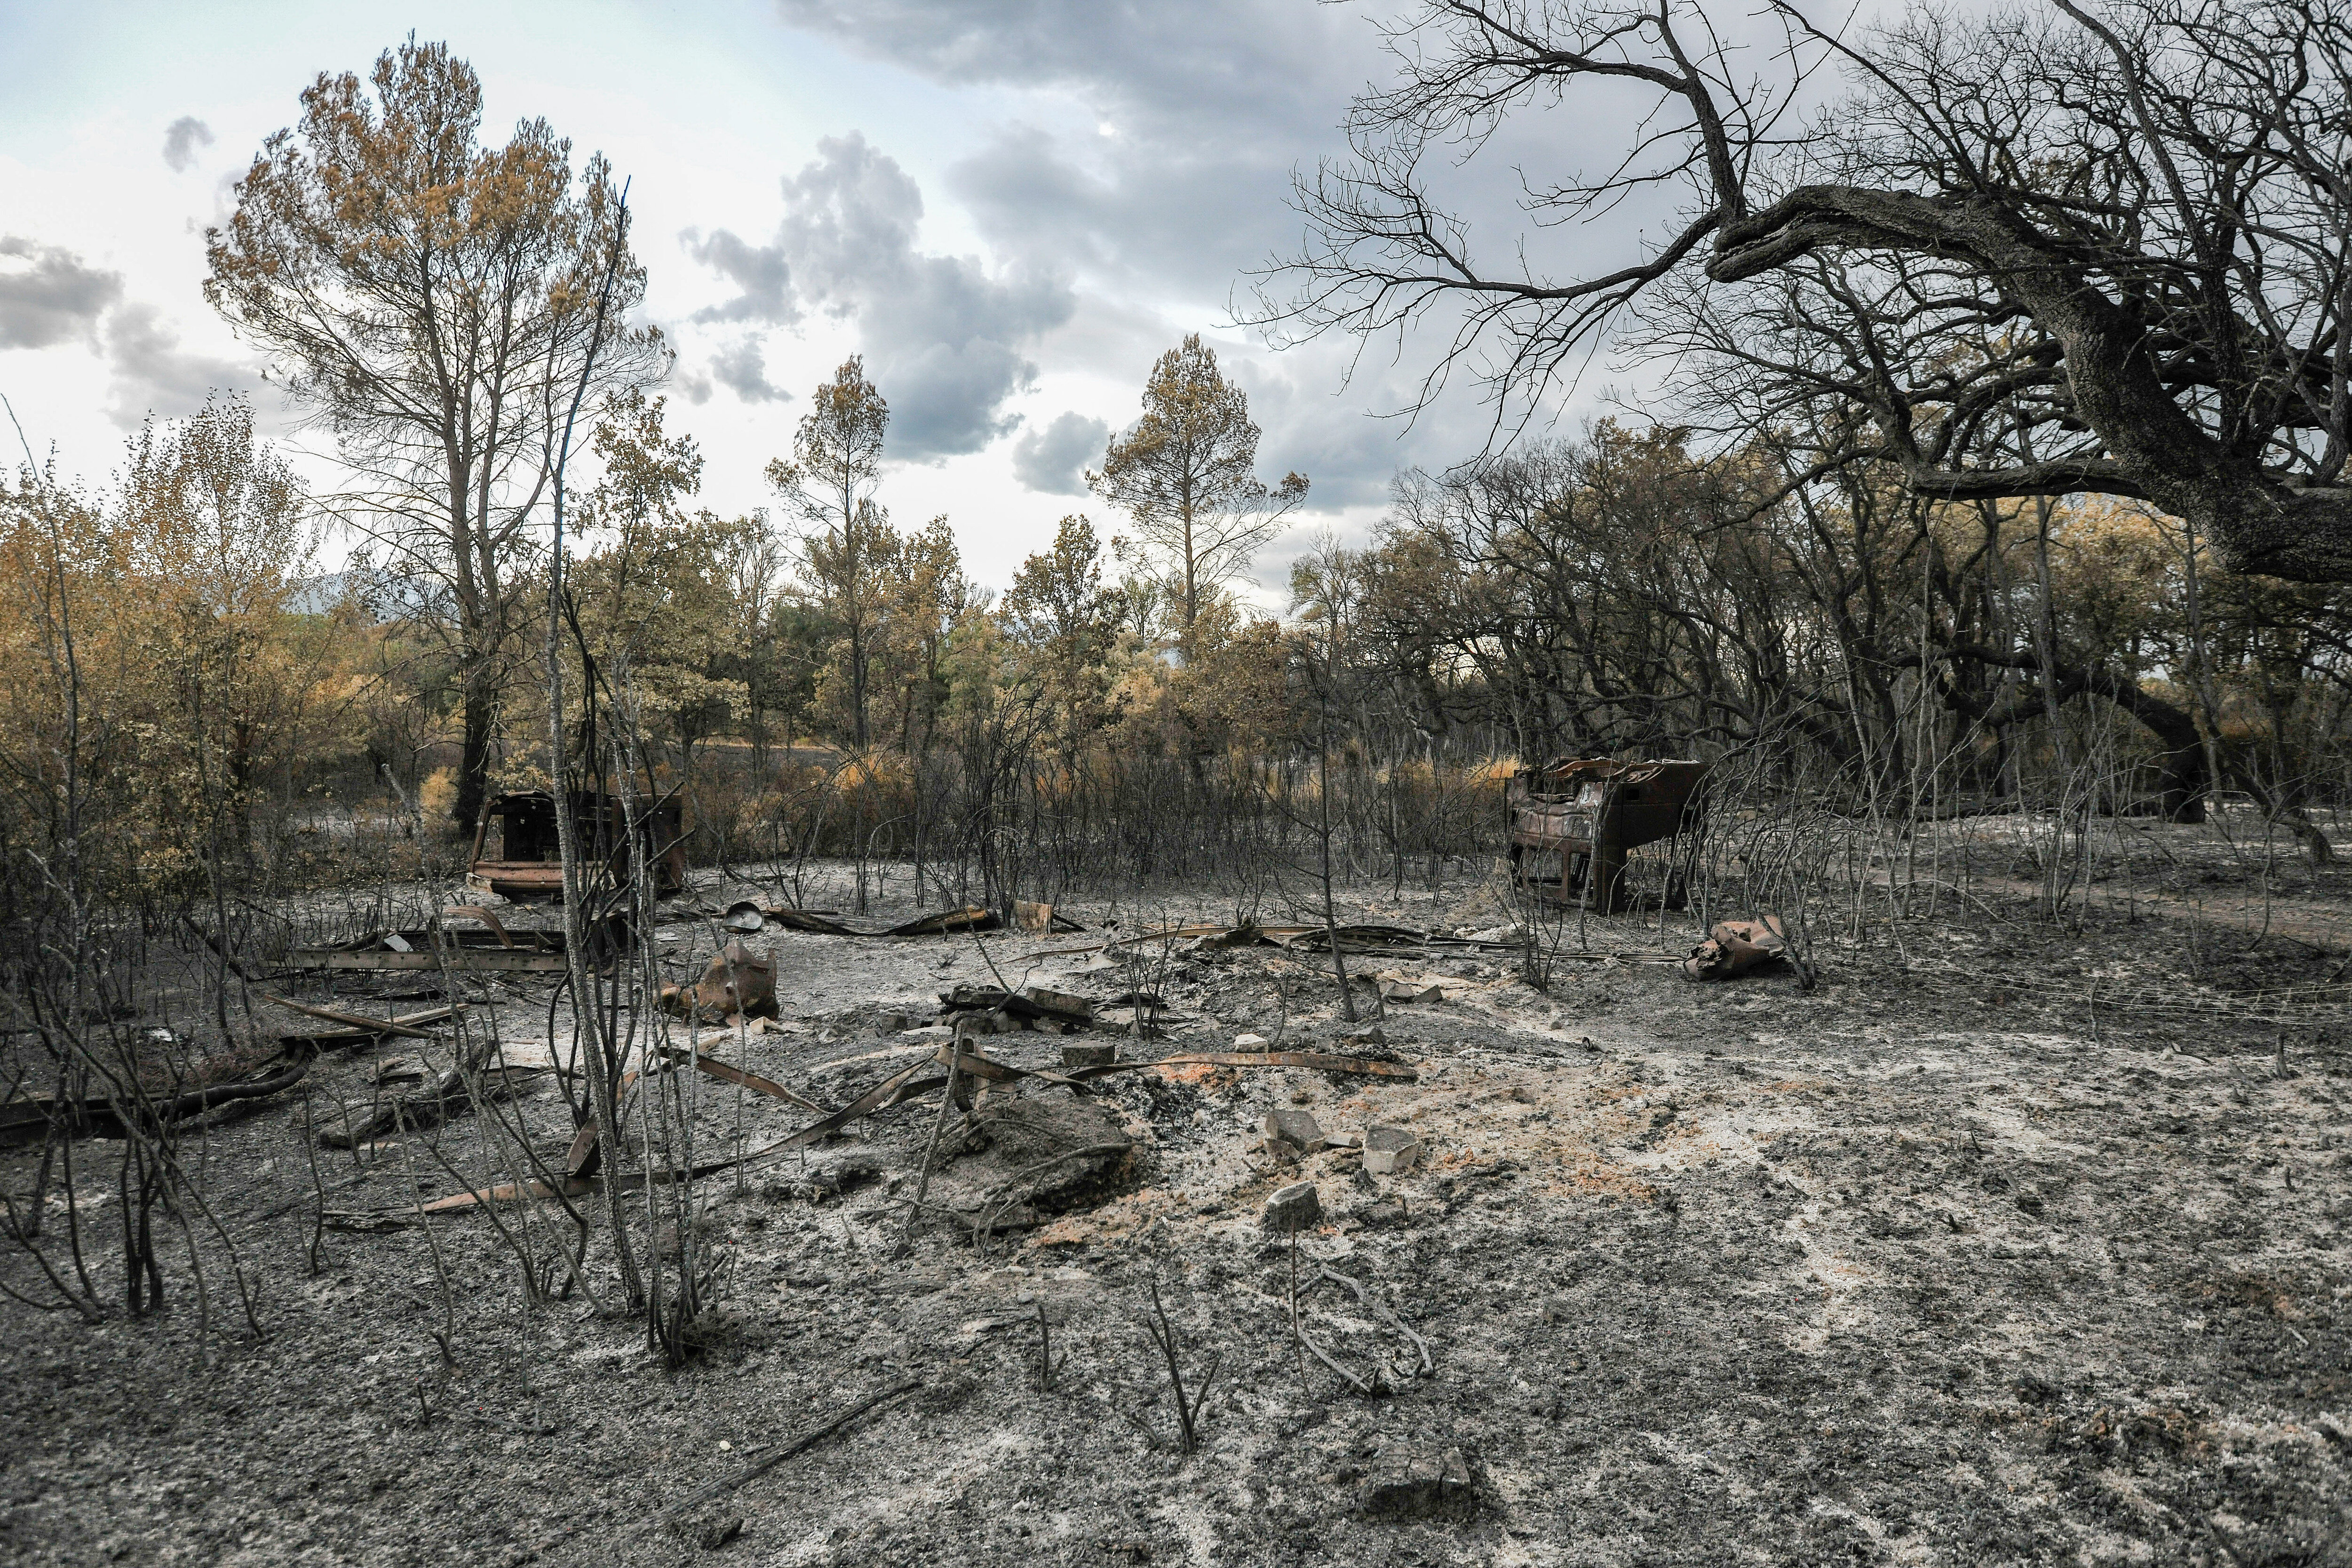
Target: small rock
1388	1150
1088	1056
1293	1208
1295	1128
1343	1139
1375	1035
1251	1043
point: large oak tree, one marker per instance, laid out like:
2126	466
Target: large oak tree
2127	227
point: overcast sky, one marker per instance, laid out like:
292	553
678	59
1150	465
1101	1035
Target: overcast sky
1010	208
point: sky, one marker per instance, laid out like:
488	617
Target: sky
1010	207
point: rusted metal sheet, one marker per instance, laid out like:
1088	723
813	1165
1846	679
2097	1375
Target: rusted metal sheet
1574	820
515	847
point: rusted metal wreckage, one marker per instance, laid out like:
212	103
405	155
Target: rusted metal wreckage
1573	821
516	854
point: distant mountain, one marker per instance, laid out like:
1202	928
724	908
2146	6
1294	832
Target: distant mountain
382	595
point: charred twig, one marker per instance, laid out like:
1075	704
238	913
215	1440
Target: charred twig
1373	1304
785	1450
931	1150
1188	1407
1304	1338
1046	1366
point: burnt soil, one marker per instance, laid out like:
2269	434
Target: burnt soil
1948	1260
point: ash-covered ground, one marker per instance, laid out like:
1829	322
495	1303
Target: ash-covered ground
1950	1260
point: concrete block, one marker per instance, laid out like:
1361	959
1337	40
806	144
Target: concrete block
1295	1128
1389	1150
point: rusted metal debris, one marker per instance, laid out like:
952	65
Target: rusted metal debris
515	846
970	917
1736	947
1354	941
737	982
746	916
361	1025
358	1029
1573	821
446	1095
727	1072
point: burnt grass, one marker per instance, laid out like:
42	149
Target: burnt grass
1944	1262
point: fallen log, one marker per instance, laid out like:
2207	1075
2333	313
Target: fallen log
355	1020
27	1121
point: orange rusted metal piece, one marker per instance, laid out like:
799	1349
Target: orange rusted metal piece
1574	820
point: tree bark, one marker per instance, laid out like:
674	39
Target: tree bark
474	758
2155	451
2183	781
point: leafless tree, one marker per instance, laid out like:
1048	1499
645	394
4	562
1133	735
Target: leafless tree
2120	235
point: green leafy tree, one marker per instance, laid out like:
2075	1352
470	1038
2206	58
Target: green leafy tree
431	301
1062	616
848	551
1186	473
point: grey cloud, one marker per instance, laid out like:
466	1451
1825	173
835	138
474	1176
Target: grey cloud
943	338
759	271
181	141
153	375
1245	64
1210	106
1172	214
51	297
742	368
1053	460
